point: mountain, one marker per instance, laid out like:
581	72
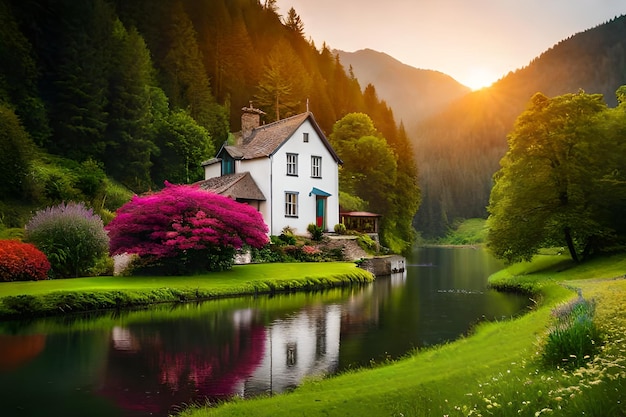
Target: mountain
458	150
413	94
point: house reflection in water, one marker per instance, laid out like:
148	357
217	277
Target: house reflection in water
236	352
305	344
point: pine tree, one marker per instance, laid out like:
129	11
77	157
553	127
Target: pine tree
19	76
294	23
79	81
129	136
285	84
185	79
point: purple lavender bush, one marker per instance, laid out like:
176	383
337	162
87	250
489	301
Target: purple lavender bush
71	236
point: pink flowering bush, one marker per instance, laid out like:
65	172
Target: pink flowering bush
183	229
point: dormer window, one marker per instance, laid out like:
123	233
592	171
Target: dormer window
228	164
305	137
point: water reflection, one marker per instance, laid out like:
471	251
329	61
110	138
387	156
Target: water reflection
149	362
300	345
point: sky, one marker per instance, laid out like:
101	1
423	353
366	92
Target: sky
476	42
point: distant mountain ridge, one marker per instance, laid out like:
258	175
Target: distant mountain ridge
459	136
413	94
458	150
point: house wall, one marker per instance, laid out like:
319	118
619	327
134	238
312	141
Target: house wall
260	170
303	183
213	170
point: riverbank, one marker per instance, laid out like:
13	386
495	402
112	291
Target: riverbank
63	296
495	371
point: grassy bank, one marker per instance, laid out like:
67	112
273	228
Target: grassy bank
39	298
495	371
465	232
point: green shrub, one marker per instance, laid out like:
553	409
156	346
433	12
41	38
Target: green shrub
366	243
71	236
286	237
23	304
58	179
574	338
283	239
271	252
15	214
54	183
340	229
332	254
11	233
16	152
317	233
115	195
104	265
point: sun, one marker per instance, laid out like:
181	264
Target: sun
479	77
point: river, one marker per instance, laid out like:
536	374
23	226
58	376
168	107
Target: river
153	361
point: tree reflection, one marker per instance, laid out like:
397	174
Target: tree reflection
152	367
17	350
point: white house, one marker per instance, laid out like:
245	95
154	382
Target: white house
287	170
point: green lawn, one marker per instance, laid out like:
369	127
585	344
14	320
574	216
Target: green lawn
83	294
495	371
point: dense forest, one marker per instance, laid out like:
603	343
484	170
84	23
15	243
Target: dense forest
459	150
144	91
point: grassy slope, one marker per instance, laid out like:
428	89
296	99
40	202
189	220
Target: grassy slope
465	377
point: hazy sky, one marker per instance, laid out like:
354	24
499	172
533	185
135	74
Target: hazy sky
474	41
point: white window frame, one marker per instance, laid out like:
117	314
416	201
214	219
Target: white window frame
291	204
316	166
292	164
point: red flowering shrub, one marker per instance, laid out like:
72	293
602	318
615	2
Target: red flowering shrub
184	229
304	253
22	262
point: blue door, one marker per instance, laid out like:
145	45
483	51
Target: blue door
320	212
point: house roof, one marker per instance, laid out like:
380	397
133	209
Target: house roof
359	214
237	186
265	140
211	161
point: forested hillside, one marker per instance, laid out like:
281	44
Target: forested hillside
459	150
144	91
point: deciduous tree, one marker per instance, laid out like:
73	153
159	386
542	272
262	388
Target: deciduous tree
183	145
551	188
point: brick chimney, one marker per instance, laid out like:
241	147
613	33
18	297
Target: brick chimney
250	119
